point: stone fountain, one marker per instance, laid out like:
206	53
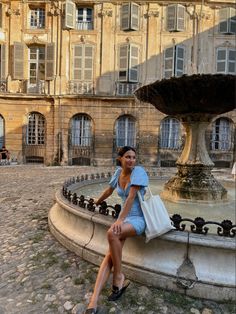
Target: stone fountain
194	100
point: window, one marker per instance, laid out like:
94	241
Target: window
35	129
175	18
226	60
81	130
174	61
125	132
128	63
84	18
2	63
227	18
37	18
221	135
2	133
36	64
170	134
129	16
83	62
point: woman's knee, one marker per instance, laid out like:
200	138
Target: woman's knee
110	235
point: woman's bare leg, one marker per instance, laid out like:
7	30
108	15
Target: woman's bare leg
102	277
116	244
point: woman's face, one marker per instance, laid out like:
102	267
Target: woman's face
128	160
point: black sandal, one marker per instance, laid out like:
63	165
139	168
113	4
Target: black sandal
92	310
116	292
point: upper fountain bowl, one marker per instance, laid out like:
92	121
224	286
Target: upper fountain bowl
199	93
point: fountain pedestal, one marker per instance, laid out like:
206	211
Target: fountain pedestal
194	180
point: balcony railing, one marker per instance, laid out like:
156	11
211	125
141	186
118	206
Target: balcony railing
37	88
3	86
126	89
75	87
84	25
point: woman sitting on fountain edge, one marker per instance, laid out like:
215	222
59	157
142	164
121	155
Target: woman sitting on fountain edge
127	180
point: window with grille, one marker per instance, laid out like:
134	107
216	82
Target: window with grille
37	18
174	60
84	18
221	135
35	134
128	63
226	60
129	16
83	62
170	134
2	134
227	17
81	133
175	18
125	132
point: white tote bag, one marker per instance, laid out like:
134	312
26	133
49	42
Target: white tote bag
156	216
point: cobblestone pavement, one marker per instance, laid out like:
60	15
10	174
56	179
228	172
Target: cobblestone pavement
38	275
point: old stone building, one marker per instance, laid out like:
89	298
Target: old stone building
68	70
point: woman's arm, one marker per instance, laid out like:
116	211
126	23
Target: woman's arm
104	195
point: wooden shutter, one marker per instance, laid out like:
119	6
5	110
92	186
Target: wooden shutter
223	28
171	17
18	61
125	16
179	60
3	62
70	10
232	21
134	16
88	63
221	60
123	62
169	62
0	15
133	64
232	61
78	59
180	18
49	62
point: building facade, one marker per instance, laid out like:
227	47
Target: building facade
69	68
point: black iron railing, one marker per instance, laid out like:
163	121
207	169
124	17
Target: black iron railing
198	225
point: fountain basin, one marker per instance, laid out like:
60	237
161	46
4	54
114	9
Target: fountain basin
197	265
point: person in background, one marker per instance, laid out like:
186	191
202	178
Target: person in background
127	180
4	154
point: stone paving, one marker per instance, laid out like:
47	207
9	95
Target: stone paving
38	275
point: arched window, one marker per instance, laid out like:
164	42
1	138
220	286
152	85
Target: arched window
125	132
81	130
2	132
170	134
221	134
35	134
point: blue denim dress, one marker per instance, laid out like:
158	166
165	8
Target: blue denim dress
138	177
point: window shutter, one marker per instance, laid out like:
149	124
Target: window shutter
18	61
224	20
3	62
169	62
88	63
125	16
171	17
133	64
70	10
180	18
0	15
232	61
221	60
78	58
49	62
123	63
179	61
134	16
232	21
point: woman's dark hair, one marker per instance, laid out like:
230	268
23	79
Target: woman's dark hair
122	151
